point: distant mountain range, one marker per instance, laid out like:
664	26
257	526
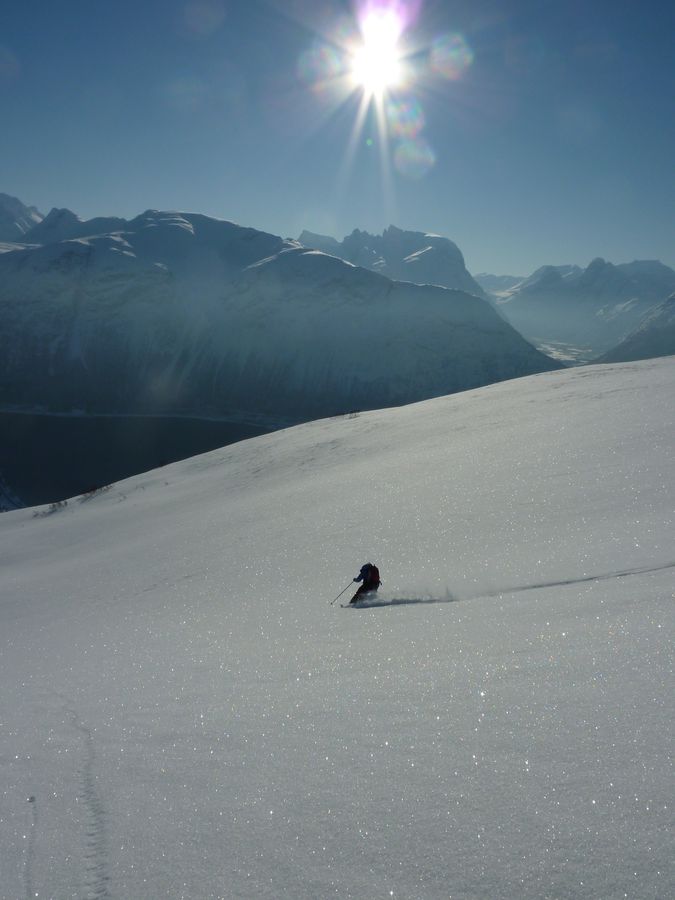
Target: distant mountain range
654	336
593	309
596	307
181	313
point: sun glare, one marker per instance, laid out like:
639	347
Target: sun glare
376	64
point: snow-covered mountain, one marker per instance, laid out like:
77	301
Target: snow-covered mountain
546	276
63	225
654	336
176	312
401	255
185	714
497	284
16	219
596	307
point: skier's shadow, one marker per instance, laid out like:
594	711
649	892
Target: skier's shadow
402	601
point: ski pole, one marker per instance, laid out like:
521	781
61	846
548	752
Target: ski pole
341	593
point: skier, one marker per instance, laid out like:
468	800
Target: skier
370	576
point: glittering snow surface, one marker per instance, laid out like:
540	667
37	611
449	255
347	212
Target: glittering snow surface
185	714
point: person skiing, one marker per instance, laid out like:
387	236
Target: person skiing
370	578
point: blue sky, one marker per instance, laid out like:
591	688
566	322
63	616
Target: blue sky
552	140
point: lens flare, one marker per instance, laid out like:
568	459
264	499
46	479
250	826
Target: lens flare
319	66
405	118
450	56
414	158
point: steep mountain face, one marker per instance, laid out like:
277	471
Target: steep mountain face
655	336
596	307
16	219
186	314
401	255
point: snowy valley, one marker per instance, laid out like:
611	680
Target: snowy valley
186	714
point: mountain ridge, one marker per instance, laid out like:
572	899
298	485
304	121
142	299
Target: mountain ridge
417	256
179	312
16	219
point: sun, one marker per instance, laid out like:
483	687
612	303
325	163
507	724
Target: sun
376	63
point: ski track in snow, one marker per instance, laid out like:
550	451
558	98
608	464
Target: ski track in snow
30	851
449	598
95	855
585	578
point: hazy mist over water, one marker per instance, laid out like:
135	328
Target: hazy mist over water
47	458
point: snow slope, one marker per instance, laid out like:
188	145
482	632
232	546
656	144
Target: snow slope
185	715
181	313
